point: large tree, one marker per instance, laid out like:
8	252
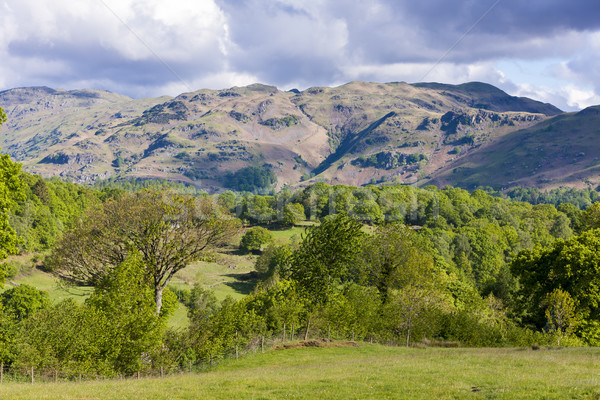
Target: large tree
11	189
168	230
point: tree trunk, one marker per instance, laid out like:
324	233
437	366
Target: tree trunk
408	332
158	294
307	329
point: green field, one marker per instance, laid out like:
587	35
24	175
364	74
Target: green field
366	372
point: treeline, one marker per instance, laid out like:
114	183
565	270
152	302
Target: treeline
581	198
476	234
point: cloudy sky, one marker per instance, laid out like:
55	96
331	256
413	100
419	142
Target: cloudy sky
545	49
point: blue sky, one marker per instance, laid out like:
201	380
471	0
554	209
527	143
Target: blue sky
545	49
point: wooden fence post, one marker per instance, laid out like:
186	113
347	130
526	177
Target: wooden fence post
32	375
1	372
262	344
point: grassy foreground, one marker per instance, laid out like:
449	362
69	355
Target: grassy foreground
367	372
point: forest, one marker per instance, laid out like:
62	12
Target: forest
396	265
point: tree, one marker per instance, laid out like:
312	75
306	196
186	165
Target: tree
325	256
560	313
255	238
395	257
410	306
170	231
124	309
293	213
11	189
590	219
274	263
23	301
201	304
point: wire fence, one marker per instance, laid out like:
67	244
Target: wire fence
289	337
35	375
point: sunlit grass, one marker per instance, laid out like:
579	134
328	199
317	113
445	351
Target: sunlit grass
367	372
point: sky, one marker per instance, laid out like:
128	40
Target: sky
548	50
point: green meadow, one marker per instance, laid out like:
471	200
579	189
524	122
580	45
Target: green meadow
365	372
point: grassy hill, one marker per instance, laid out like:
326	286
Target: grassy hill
353	134
367	371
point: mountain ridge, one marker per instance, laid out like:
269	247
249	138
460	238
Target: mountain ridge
356	133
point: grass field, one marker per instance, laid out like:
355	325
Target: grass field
366	372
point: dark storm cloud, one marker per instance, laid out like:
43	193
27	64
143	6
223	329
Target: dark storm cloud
413	31
87	61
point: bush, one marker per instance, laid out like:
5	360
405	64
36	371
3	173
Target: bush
255	238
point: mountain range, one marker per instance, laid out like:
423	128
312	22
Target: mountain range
467	135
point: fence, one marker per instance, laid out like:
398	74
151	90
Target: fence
33	375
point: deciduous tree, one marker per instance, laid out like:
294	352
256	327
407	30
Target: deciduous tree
168	230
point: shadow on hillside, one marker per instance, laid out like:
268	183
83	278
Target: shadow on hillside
244	283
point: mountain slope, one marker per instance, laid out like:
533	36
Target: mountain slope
354	134
560	151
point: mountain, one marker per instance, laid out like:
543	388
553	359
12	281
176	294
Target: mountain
560	151
356	133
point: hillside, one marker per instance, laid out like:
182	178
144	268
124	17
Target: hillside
354	134
560	151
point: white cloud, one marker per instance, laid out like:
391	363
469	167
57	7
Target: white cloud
143	47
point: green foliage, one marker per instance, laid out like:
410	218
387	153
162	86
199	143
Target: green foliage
257	209
48	208
201	304
251	179
137	184
581	198
590	219
123	304
255	238
278	123
567	267
23	301
326	255
292	214
397	257
119	162
170	231
560	313
107	335
11	190
274	263
388	160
